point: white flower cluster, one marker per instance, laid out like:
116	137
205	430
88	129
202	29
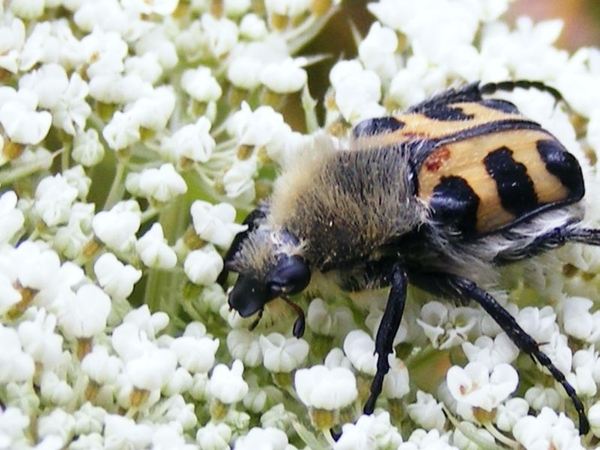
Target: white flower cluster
131	130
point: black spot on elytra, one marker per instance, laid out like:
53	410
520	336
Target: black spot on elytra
515	188
563	165
454	204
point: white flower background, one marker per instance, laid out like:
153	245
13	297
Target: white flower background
135	136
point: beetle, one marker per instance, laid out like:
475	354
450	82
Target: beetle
438	196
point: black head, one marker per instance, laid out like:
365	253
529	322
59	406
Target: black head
290	276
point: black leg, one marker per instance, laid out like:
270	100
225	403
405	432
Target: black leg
588	236
384	341
461	288
552	239
253	219
491	88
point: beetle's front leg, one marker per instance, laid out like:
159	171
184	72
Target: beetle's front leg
384	341
252	220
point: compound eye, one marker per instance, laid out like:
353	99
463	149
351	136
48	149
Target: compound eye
290	276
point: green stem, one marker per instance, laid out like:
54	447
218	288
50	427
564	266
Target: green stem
116	189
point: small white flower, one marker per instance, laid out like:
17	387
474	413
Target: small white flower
58	425
377	51
72	111
215	223
359	347
11	218
281	354
577	319
539	323
214	436
336	358
129	341
357	91
117	227
446	327
12	36
39	339
52	41
153	249
267	439
593	415
547	430
77	178
195	354
285	77
244	345
105	50
49	83
255	400
201	85
116	278
491	352
18	115
170	436
72	238
54	390
395	383
323	388
238	180
122	131
54	197
227	385
100	366
161	185
253	27
432	439
539	397
477	387
13	423
158	42
510	413
84	313
87	148
278	417
123	432
154	109
427	412
369	432
244	72
15	365
325	322
254	128
151	370
145	66
192	142
221	35
203	266
115	88
150	324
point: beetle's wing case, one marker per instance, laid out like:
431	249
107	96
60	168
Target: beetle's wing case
482	167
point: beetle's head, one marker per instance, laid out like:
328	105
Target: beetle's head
270	266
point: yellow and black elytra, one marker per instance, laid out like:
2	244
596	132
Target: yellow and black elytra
438	196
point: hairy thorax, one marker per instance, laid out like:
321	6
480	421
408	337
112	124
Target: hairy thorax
345	205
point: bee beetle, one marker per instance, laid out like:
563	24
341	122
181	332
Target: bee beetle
438	196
